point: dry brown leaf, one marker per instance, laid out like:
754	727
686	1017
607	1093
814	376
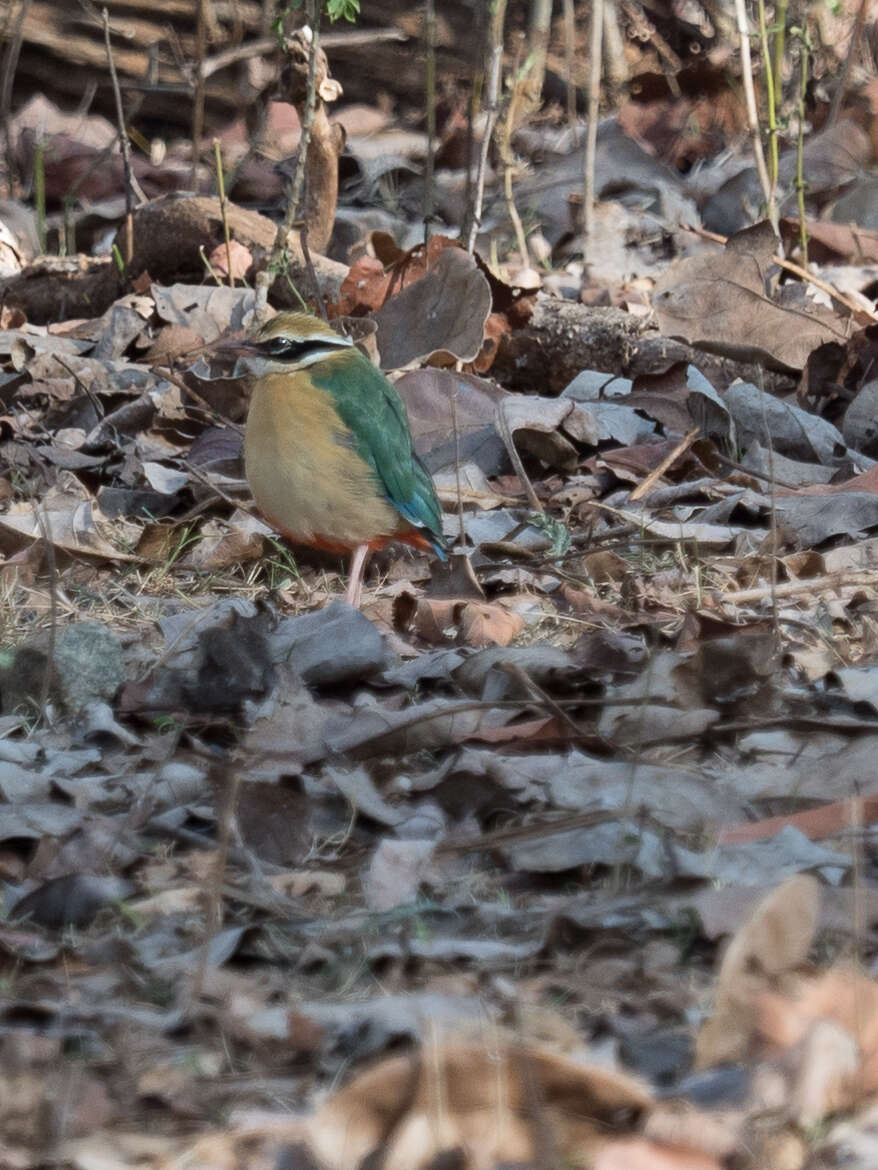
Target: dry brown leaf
241	257
464	622
71	524
831	1023
221	545
489	1091
717	301
452	418
771	944
639	1154
440	317
856	244
483	624
372	280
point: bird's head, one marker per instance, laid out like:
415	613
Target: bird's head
287	343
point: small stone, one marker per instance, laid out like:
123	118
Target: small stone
88	665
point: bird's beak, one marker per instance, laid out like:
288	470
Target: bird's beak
227	358
235	347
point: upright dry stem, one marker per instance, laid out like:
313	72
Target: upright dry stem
538	38
800	151
773	488
569	57
498	17
594	97
430	97
750	96
477	86
856	35
10	64
616	68
298	185
521	92
40	191
227	782
124	144
46	533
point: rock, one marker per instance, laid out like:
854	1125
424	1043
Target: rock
88	664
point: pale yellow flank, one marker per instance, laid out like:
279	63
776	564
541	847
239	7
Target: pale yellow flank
305	478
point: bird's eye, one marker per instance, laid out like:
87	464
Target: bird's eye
279	346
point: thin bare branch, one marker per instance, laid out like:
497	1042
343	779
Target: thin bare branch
124	144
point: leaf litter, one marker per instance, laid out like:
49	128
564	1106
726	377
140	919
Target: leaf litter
560	855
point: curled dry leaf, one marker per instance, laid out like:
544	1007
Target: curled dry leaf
465	622
222	544
75	526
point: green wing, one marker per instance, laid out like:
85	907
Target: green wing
374	413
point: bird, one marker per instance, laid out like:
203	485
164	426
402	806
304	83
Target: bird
328	450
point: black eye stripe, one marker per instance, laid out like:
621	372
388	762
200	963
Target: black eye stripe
291	349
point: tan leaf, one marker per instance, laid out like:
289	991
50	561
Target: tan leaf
718	301
773	942
494	1095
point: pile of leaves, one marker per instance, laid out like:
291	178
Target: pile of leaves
560	853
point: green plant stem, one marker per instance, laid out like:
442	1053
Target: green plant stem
221	190
771	104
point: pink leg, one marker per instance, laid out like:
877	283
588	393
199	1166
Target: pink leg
358	566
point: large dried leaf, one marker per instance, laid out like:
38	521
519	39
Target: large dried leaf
452	417
719	302
76	526
441	316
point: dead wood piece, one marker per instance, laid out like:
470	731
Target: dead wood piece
55	288
655	354
63	51
169	233
561	339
